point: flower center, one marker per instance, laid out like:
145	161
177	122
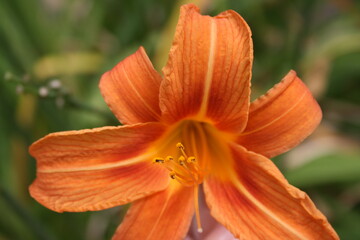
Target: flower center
184	169
201	151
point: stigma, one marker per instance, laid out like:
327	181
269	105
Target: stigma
185	170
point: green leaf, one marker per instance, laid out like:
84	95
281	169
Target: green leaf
336	168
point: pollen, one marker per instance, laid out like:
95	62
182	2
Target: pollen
158	160
191	159
172	175
185	170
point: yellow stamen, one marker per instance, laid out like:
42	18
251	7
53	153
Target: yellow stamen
187	172
182	180
181	160
193	165
182	149
185	169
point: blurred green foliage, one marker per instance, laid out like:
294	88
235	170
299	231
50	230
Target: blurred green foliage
53	52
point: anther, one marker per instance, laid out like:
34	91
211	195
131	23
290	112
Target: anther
172	174
181	160
169	158
180	146
158	160
191	159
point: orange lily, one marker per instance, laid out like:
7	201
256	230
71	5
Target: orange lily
193	126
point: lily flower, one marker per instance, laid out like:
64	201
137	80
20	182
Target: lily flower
192	127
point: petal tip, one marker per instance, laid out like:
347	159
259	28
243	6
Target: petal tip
189	7
232	13
129	89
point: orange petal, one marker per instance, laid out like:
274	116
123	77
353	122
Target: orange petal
164	215
282	118
208	73
131	89
258	203
96	169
